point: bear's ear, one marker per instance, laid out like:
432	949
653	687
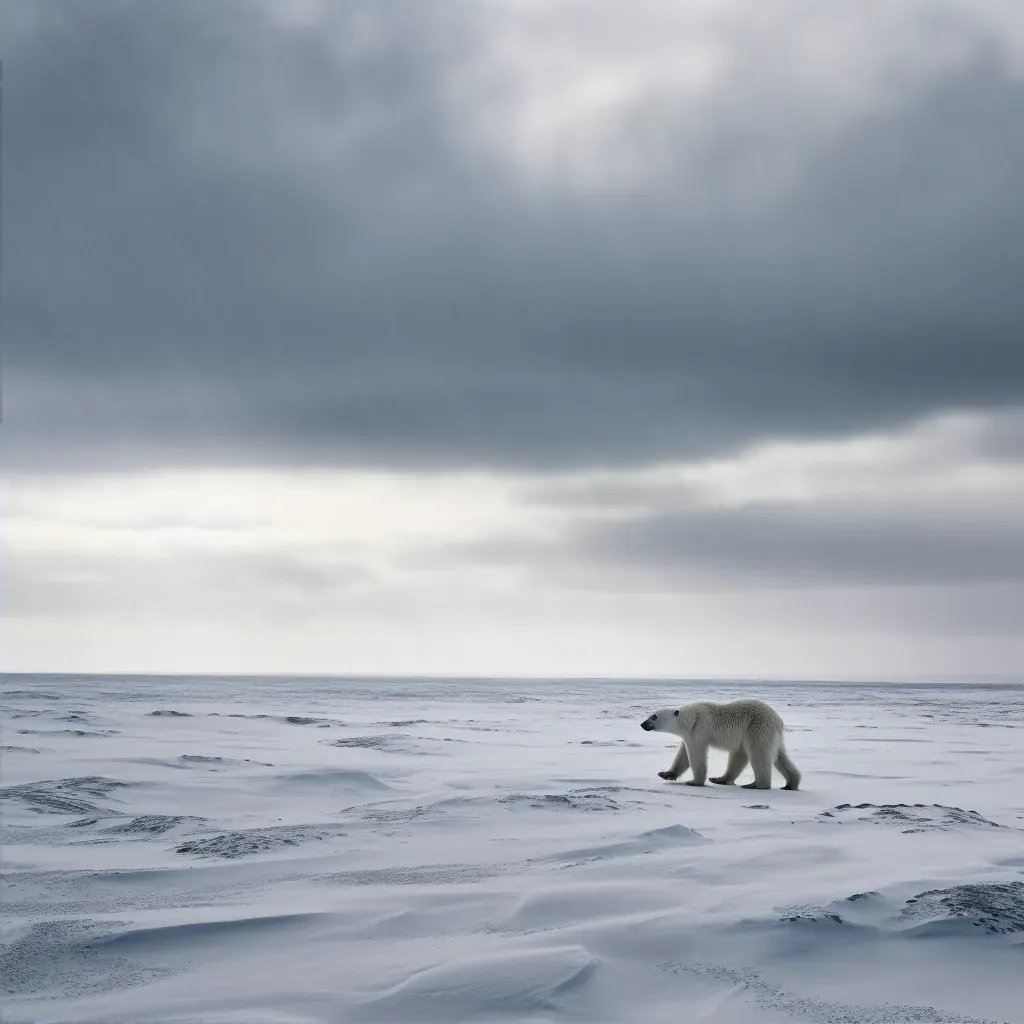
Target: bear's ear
676	713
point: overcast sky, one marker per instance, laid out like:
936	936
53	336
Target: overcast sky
514	337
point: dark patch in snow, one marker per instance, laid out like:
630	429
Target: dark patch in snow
68	732
248	842
793	914
63	796
323	723
910	818
593	798
394	815
151	824
383	742
68	958
793	1006
995	907
427	874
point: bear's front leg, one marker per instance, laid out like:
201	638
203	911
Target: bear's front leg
679	765
733	770
699	764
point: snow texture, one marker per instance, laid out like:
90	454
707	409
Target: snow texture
214	851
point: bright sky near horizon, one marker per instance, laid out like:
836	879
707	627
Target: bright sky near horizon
514	338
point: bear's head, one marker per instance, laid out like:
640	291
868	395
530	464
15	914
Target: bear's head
664	720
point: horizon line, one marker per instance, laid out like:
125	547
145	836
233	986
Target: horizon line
924	679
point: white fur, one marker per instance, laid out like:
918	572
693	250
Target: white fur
749	730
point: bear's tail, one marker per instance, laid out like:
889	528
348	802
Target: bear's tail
789	771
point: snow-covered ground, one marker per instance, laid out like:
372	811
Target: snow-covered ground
278	851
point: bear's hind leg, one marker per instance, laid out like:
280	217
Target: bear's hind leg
787	769
761	762
737	762
679	765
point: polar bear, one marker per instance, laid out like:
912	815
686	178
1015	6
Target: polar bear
748	729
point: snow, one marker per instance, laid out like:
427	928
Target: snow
293	851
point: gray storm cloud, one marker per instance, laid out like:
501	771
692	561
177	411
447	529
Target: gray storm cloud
235	238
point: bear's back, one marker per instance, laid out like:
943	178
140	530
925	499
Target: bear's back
733	715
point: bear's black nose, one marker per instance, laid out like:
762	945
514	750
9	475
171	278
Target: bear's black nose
646	725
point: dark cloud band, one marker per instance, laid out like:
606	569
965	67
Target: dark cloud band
232	239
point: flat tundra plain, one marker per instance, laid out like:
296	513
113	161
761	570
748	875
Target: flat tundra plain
283	851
